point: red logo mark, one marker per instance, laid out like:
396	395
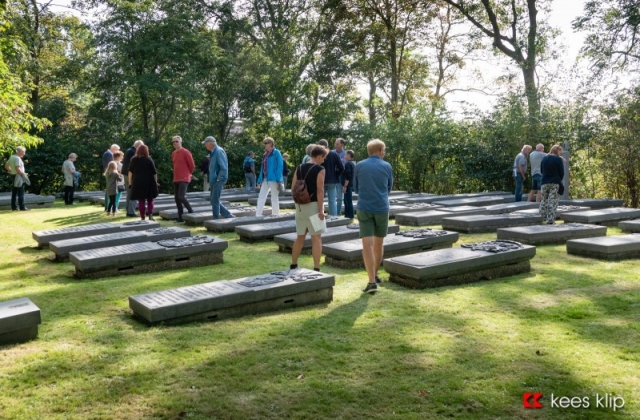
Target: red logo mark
530	400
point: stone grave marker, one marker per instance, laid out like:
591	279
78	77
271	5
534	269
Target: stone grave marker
236	209
486	200
489	222
607	217
593	203
397	208
334	234
606	247
261	231
62	249
229	225
233	298
511	207
632	226
147	257
560	210
19	320
551	234
44	237
453	266
434	217
348	254
30	201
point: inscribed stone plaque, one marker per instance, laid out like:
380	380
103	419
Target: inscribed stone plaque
488	223
19	320
606	247
229	225
261	231
551	234
472	201
43	237
608	216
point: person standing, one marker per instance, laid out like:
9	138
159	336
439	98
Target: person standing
334	168
15	166
68	170
307	150
313	175
347	183
183	166
218	175
120	187
113	177
552	168
373	180
143	181
130	153
285	170
339	149
520	170
249	168
535	159
270	178
106	158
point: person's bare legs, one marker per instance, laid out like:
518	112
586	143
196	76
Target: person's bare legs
378	252
297	249
369	257
316	250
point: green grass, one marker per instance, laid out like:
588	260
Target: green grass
569	327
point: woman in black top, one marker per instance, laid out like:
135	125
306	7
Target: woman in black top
143	181
313	175
347	183
552	168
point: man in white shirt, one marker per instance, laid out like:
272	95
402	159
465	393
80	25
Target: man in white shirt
535	158
15	166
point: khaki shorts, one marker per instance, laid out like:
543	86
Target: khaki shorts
303	212
373	224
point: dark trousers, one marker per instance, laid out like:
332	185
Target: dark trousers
112	204
68	194
17	193
348	203
180	195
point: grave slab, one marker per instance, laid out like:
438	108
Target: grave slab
473	201
30	200
488	222
232	298
632	226
606	247
348	254
551	234
434	217
607	217
397	208
19	320
262	232
560	210
229	225
147	257
44	237
62	249
334	234
511	207
284	203
593	203
236	209
454	266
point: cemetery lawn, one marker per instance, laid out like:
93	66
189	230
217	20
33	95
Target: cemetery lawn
570	327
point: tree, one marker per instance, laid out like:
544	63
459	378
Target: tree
613	28
514	30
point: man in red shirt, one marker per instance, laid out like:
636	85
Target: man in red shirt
183	166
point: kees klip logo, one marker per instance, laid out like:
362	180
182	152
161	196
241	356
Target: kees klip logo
531	400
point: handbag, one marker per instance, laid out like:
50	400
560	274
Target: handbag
121	188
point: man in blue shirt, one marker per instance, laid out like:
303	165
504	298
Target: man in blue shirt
373	180
218	175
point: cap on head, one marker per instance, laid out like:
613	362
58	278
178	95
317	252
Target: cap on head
209	139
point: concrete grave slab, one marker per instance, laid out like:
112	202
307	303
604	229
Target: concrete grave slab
434	217
551	234
606	247
607	217
348	254
147	257
560	210
199	218
396	208
474	262
171	213
632	226
62	249
30	201
44	237
232	298
488	222
593	203
486	200
334	234
511	207
19	320
261	232
229	225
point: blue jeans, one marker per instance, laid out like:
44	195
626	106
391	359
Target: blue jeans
250	181
348	203
519	181
332	195
17	193
339	200
217	208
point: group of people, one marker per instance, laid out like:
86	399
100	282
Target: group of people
547	173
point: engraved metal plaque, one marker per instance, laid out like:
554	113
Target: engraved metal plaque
494	246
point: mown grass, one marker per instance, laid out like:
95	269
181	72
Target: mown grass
569	327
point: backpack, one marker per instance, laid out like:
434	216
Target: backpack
299	189
247	167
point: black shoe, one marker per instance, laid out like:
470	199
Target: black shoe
132	215
378	279
151	218
371	288
293	266
178	221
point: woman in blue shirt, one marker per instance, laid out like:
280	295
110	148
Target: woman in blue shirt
270	178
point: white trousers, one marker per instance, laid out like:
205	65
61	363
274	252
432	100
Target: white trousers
262	198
